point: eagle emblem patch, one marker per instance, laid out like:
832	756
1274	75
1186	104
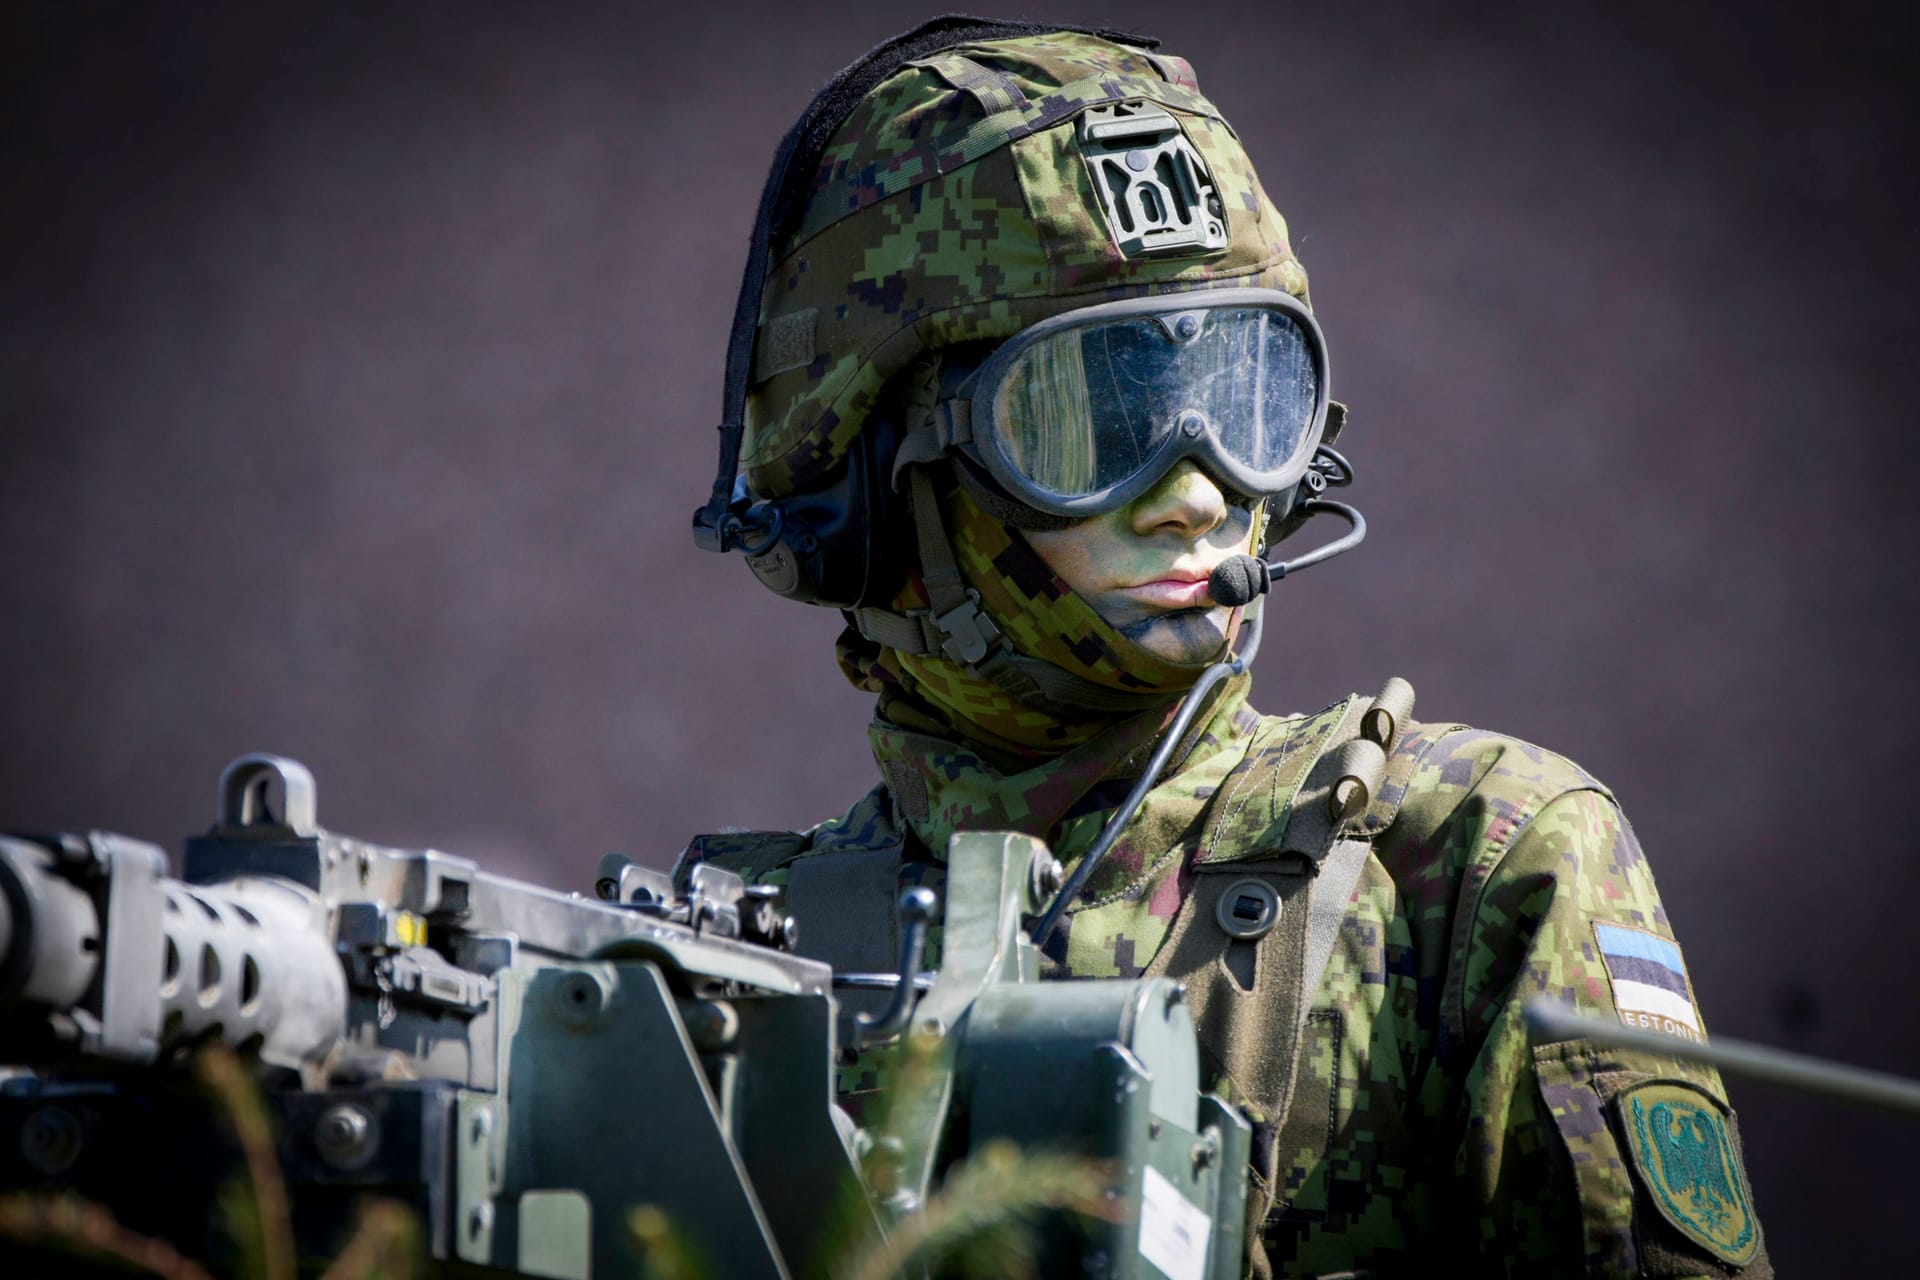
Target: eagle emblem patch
1683	1155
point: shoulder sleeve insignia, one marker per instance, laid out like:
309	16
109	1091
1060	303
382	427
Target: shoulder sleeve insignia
1684	1157
1650	986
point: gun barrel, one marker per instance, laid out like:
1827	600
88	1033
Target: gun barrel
1859	1085
137	961
49	929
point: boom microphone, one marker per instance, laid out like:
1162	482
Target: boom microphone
1238	579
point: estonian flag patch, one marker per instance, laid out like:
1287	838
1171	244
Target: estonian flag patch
1650	987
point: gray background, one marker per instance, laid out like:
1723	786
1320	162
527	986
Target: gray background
360	369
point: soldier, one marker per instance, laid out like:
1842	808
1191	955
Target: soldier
1023	371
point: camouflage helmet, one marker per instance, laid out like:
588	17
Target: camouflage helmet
956	185
986	183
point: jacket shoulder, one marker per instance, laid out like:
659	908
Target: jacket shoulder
1440	773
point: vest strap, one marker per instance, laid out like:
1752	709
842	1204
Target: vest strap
1251	997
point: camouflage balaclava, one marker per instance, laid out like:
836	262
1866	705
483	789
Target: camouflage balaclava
965	197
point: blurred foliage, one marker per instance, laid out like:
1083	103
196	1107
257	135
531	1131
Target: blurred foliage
384	1245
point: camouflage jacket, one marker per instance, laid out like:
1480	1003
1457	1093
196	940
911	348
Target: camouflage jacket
1424	1125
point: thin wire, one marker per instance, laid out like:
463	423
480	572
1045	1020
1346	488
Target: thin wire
1150	775
1212	676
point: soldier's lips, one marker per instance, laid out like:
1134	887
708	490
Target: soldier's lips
1172	593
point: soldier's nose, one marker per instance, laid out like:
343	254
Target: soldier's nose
1186	501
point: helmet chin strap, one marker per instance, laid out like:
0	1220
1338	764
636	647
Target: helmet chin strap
957	627
1235	582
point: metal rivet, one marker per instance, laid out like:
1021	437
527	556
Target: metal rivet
1138	160
1248	909
1187	327
1192	424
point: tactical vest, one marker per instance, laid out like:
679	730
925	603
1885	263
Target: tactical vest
1285	840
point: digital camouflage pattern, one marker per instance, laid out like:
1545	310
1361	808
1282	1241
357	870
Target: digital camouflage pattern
1424	1125
953	206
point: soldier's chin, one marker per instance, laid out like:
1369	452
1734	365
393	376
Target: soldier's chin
1187	637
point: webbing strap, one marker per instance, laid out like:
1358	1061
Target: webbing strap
912	633
849	194
1252	1000
1248	997
954	626
1175	70
957	628
946	588
995	91
1326	908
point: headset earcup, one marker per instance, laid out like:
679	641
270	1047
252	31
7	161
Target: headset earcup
844	544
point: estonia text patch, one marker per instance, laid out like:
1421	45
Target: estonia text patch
1650	987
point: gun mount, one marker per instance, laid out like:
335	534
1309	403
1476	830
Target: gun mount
523	1067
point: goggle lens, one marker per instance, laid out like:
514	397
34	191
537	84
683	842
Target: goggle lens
1085	409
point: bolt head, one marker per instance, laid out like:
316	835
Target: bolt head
346	1135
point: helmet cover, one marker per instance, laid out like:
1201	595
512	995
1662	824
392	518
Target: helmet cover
979	190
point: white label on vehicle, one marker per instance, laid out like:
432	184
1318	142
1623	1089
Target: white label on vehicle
1173	1229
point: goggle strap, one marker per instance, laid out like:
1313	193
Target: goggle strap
1008	511
953	421
1336	422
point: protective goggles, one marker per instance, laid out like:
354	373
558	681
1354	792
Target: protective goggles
1082	413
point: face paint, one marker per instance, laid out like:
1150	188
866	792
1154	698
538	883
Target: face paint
1044	617
1143	568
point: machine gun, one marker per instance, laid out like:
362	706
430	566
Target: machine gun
523	1068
